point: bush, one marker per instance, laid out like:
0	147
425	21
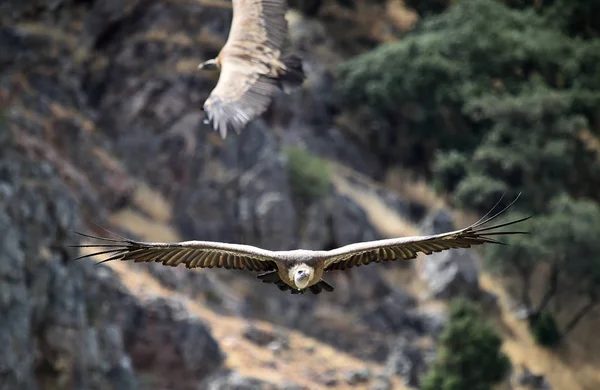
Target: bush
485	90
470	355
545	329
449	168
566	239
308	175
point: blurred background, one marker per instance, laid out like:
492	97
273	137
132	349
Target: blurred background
416	116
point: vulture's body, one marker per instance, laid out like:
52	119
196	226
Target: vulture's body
255	63
297	270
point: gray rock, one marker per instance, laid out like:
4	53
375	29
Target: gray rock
357	376
47	327
168	341
328	379
234	381
349	221
532	381
407	361
449	273
264	338
316	232
391	312
438	221
381	382
429	322
71	324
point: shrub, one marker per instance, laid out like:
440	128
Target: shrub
545	330
308	175
470	355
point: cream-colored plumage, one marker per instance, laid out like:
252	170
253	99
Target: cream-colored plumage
298	270
255	62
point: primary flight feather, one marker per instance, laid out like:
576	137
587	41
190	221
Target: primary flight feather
255	62
298	270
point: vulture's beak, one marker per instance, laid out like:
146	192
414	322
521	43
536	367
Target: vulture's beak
208	65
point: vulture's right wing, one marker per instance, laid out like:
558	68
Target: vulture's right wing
203	254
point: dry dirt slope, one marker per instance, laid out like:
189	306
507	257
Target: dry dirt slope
575	366
306	360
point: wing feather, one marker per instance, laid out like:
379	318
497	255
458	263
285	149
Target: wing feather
407	248
258	24
240	95
202	254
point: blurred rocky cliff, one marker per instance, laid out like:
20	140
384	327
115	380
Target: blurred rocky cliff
102	124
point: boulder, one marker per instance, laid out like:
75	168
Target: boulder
452	272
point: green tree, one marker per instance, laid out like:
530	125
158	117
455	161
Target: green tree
470	355
533	145
566	239
489	97
486	80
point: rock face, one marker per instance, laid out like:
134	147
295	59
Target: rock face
73	325
449	273
234	381
408	361
102	98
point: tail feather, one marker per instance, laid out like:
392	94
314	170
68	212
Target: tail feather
294	76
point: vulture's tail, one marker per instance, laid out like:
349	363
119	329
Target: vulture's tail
294	74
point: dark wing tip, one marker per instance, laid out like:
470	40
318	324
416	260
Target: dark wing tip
115	248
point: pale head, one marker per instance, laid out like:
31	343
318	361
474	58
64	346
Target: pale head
209	65
302	275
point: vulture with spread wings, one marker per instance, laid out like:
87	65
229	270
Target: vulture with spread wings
297	270
255	62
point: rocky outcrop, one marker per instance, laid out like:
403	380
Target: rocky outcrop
449	273
105	95
73	325
234	381
408	361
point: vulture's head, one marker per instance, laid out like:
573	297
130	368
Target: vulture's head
209	65
302	274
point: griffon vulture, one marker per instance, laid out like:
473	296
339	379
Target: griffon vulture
255	62
297	270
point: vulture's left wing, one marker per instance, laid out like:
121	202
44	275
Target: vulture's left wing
202	254
240	95
408	247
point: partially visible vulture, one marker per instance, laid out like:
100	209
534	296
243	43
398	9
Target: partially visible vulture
298	270
255	63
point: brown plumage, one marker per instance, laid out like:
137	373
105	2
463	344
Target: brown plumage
298	270
255	62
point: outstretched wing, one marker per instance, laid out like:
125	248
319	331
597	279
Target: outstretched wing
408	247
255	45
241	94
202	254
259	23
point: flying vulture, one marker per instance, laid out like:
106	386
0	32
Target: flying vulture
297	270
255	62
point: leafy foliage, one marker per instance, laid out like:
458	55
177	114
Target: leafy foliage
566	239
485	90
308	175
470	355
545	330
570	238
491	97
534	146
